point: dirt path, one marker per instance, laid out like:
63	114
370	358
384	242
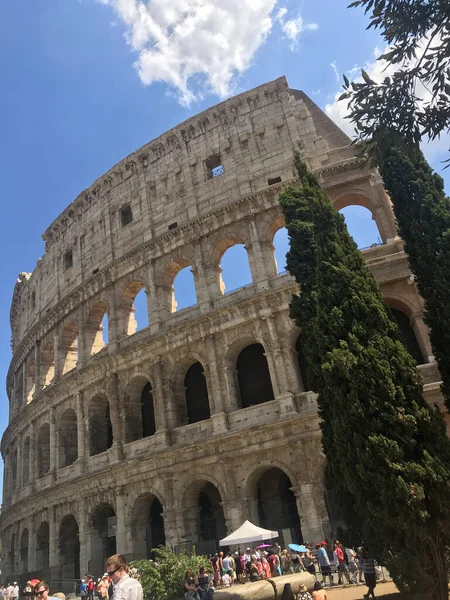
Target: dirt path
383	590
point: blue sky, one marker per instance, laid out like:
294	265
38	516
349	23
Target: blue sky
83	85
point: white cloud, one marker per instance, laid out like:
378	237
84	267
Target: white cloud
294	27
378	70
200	46
335	71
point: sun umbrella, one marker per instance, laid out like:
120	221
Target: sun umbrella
297	547
263	546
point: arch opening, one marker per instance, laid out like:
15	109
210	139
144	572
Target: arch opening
135	307
100	425
408	335
205	516
96	331
47	364
23	553
69	548
31	380
184	293
103	536
281	248
26	462
255	385
42	549
361	226
43	450
276	505
234	269
139	400
148	411
67	438
147	526
69	347
197	400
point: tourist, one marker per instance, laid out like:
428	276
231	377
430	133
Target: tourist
295	562
28	589
254	573
285	562
83	589
190	586
359	562
41	591
226	564
226	579
2	592
352	565
287	594
14	593
238	566
324	562
303	593
124	586
318	592
91	588
266	565
248	560
276	549
216	569
308	562
102	587
369	573
341	565
274	563
9	590
205	591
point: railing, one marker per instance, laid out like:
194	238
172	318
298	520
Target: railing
374	245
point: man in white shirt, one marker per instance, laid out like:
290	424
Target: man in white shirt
14	595
124	587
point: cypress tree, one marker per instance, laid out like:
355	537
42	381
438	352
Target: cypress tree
386	449
423	217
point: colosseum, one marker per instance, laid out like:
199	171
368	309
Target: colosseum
178	431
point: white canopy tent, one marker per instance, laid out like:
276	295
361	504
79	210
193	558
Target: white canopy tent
248	532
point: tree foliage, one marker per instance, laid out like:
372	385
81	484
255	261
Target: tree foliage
163	579
418	35
386	449
423	216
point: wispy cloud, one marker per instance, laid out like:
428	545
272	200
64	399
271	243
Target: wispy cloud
335	71
293	28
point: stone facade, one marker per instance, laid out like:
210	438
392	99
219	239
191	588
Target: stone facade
162	434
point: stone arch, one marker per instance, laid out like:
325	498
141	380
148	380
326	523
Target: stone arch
67	438
178	407
69	347
129	324
69	547
42	554
147	525
356	197
280	246
23	552
362	226
253	376
47	364
204	517
26	461
402	312
140	409
94	331
100	425
30	379
168	288
273	504
217	255
43	450
103	535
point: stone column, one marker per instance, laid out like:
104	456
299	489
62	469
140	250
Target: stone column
82	349
159	399
33	454
216	398
84	536
121	530
19	461
53	441
201	278
258	267
24	399
384	213
112	390
170	514
53	545
153	305
57	356
37	369
32	546
311	522
113	321
81	432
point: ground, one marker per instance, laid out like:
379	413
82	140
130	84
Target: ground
383	590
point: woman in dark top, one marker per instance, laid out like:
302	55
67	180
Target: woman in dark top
190	586
204	590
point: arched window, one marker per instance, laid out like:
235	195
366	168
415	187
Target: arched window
103	538
148	411
197	401
43	450
281	248
101	432
408	335
135	309
184	292
69	548
67	439
47	364
361	226
95	334
31	380
147	526
69	347
255	385
204	516
26	462
235	269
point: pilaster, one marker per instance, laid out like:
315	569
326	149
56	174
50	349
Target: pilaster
81	432
37	369
161	420
112	390
121	530
84	536
311	522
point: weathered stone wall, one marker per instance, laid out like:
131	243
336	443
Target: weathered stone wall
68	394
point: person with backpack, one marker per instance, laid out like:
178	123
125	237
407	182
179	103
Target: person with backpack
91	588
